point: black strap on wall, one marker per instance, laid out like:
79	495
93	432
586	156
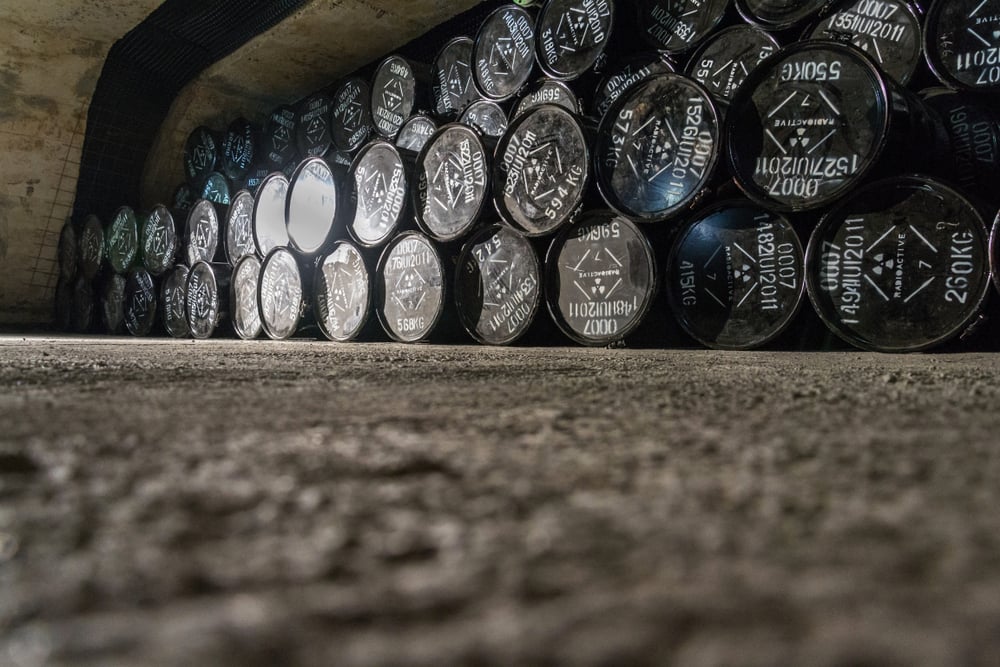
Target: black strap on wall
144	72
147	69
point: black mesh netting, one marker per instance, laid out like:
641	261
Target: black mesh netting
146	69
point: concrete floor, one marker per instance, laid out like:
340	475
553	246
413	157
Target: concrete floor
227	503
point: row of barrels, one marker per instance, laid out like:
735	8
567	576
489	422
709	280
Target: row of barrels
727	141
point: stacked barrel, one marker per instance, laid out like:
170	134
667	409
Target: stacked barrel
582	168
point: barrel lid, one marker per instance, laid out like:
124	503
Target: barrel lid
549	91
572	35
201	233
676	26
352	114
542	170
278	143
657	148
239	228
140	302
973	128
342	293
216	189
312	206
243	297
503	56
68	251
183	198
410	288
122	240
888	31
201	154
270	229
83	305
600	278
624	75
486	117
378	188
807	125
394	91
779	14
415	133
173	302
91	247
113	303
452	182
725	59
497	285
901	265
202	300
454	88
159	241
239	148
962	39
312	131
280	294
735	276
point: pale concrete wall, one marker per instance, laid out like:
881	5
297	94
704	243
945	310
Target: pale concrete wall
51	55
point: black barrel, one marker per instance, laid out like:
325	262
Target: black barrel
901	265
313	135
498	285
549	91
542	170
207	302
173	302
600	279
239	240
735	278
378	183
677	26
451	190
775	15
411	288
62	305
342	293
973	126
159	242
281	294
503	56
454	88
243	297
486	117
239	149
217	190
312	204
399	88
91	247
817	118
113	303
255	177
201	233
83	305
962	43
887	30
68	252
572	35
415	133
278	145
657	148
270	229
723	61
202	154
122	240
623	75
351	118
140	302
183	198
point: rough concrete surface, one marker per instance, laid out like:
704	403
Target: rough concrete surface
223	503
